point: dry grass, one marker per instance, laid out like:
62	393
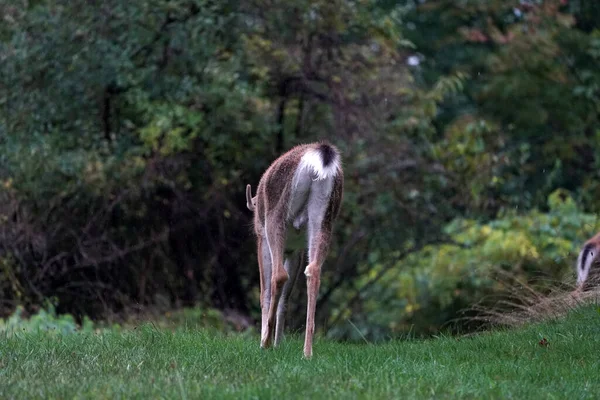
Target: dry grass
524	304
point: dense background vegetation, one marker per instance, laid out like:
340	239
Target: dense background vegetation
128	131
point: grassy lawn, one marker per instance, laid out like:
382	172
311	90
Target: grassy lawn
155	363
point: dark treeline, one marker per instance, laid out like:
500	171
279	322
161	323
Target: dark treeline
129	129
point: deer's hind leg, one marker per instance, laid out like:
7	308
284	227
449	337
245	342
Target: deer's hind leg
275	238
292	266
265	268
319	237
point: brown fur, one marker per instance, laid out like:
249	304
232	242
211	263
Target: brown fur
271	207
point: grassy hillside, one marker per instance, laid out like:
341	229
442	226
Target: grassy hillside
551	360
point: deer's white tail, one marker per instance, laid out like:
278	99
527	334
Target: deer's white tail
313	183
322	161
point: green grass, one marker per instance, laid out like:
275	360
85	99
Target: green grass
155	363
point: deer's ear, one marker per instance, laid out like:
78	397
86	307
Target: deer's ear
250	201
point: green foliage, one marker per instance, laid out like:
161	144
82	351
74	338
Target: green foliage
129	130
187	319
45	320
427	288
557	359
533	79
119	126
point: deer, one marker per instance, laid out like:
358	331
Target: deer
587	262
303	187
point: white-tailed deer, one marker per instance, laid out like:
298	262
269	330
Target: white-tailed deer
587	270
303	187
